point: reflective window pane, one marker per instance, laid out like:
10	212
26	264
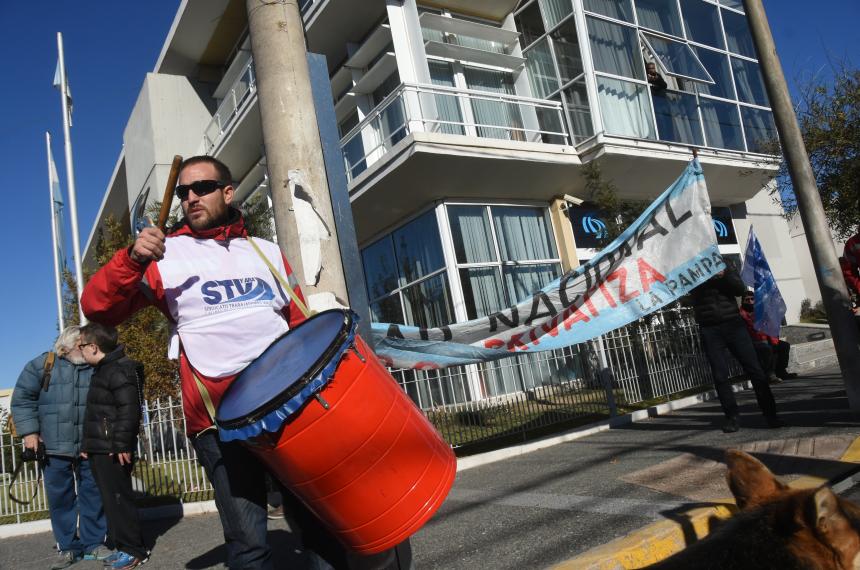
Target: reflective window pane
615	49
542	76
618	9
523	233
428	304
387	310
760	130
530	24
470	229
578	111
482	291
736	4
703	23
554	11
447	105
380	268
624	108
523	281
738	33
661	15
677	117
551	121
722	124
677	58
717	65
749	82
567	53
418	248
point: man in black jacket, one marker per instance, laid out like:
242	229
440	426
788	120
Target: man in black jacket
111	425
721	326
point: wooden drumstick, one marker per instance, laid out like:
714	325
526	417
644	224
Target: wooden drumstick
167	200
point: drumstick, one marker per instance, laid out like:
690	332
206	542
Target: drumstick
167	200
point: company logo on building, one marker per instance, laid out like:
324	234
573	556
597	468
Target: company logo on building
240	290
594	226
721	228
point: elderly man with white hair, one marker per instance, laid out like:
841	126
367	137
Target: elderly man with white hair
48	406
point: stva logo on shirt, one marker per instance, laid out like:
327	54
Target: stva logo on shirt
231	291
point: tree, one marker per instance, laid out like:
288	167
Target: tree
829	117
618	214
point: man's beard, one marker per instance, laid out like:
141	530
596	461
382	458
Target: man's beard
76	360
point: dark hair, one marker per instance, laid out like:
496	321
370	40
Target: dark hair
221	168
103	336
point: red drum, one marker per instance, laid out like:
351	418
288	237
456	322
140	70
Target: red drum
320	410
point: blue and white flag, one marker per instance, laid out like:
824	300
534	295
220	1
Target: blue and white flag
57	204
669	250
769	305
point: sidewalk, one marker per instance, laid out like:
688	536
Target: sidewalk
542	508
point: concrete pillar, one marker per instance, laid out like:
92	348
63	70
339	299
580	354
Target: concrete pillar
292	142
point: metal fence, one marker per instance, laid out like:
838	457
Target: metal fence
472	406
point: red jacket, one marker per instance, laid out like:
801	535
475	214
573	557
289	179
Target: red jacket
850	263
115	293
755	334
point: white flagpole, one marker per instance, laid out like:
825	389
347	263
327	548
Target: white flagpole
70	176
55	237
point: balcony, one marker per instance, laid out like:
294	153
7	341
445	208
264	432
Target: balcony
236	99
450	111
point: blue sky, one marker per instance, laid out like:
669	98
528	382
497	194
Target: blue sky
109	47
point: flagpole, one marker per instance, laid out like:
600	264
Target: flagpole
54	238
70	177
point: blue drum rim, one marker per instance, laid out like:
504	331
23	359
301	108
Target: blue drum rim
342	341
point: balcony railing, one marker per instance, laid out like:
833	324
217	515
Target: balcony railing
238	96
439	109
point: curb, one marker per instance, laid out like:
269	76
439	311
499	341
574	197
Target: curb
661	539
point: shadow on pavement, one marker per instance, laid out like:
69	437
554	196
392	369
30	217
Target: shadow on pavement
285	549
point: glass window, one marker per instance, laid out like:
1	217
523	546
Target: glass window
447	105
491	113
717	65
624	108
529	23
677	117
737	4
618	9
554	11
738	34
760	130
578	111
380	269
523	233
470	228
722	124
552	123
703	23
482	291
661	15
567	53
677	58
523	281
749	82
428	304
418	248
615	49
542	75
387	310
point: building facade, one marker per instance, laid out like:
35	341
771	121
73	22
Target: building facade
464	123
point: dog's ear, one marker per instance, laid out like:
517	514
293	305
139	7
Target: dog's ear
826	510
750	481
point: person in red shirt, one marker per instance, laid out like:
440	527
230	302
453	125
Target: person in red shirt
225	307
772	352
850	262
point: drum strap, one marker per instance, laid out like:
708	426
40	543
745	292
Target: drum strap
207	399
302	307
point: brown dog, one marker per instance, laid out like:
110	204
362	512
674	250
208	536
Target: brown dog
778	527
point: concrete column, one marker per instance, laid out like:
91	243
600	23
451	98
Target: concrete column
292	142
563	234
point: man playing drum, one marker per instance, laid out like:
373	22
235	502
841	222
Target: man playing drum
225	307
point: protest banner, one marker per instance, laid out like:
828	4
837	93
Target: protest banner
669	250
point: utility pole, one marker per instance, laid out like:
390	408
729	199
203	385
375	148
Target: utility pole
833	290
292	142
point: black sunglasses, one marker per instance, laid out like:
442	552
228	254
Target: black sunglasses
200	187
